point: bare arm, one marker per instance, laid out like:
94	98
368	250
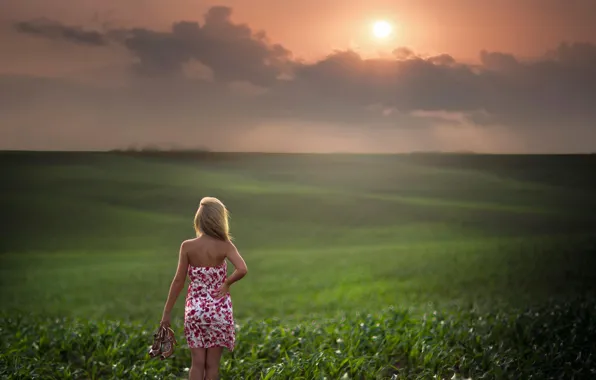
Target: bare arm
240	270
177	284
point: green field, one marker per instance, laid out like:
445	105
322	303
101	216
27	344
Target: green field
360	266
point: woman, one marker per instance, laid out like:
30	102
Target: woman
208	319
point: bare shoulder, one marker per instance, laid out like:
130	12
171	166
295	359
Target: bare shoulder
187	245
230	247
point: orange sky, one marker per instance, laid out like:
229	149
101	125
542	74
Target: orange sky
311	28
62	91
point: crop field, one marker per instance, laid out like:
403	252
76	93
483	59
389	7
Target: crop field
422	266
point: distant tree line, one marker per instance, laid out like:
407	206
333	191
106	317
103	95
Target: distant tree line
157	150
154	148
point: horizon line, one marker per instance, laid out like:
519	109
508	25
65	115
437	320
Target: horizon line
207	151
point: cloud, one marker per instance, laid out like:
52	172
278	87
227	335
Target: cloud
556	89
223	74
56	31
233	52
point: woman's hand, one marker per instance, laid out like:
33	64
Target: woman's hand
165	320
222	291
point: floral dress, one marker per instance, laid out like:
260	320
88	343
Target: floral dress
208	322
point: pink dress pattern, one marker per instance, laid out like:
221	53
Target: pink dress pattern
208	322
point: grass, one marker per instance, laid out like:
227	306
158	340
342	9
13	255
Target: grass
543	343
347	254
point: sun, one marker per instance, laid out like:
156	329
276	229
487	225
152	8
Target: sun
382	29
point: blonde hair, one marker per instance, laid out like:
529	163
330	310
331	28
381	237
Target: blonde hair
211	219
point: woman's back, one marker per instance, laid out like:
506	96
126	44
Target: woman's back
205	251
207	267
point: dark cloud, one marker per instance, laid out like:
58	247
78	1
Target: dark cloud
577	54
555	91
233	51
55	30
410	84
558	89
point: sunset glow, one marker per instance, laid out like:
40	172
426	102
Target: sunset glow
84	75
382	29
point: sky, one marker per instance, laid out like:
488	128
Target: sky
502	76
